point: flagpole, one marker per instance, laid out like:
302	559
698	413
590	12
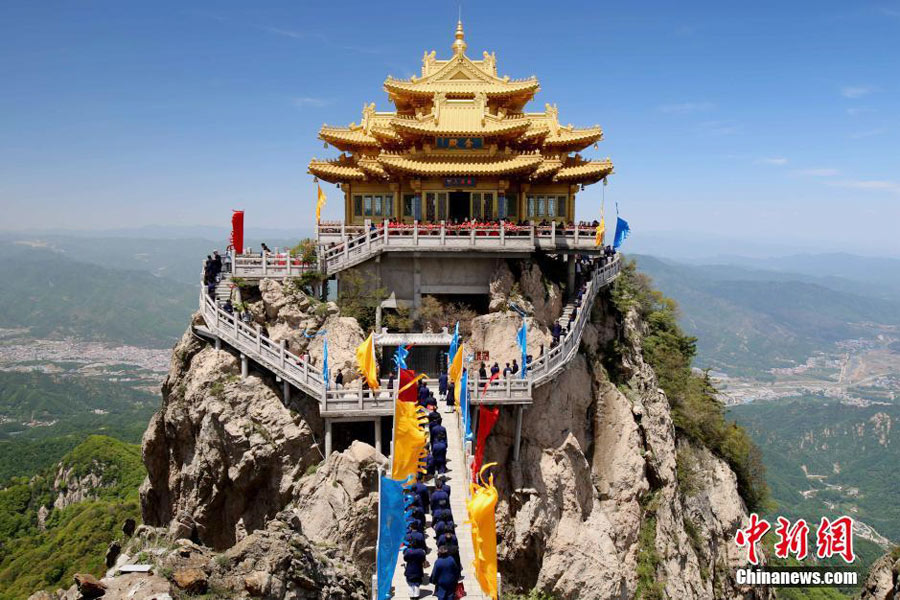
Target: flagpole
378	537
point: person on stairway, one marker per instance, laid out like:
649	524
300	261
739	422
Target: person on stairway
339	380
421	491
515	367
442	384
448	540
415	539
441	484
439	452
439	499
414	570
445	575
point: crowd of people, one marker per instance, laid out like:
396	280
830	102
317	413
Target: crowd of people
432	500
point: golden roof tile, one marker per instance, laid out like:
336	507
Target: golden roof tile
588	171
475	166
334	172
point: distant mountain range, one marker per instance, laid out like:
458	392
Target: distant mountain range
55	296
750	320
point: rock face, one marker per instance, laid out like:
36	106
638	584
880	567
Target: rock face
223	454
597	467
595	497
883	582
339	503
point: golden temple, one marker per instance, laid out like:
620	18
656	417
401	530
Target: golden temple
459	146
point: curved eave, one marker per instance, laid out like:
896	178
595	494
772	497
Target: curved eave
346	139
453	88
590	171
546	169
335	173
373	167
474	168
578	138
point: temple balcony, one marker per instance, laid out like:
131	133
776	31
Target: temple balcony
343	246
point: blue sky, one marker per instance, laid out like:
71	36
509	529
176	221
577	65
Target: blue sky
765	120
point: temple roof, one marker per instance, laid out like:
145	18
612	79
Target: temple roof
476	165
460	118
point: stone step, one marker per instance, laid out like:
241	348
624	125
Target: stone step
456	479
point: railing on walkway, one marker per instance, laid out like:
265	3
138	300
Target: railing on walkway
342	250
269	265
545	368
356	401
249	341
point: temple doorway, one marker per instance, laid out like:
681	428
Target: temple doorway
459	206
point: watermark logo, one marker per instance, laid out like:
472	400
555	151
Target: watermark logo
833	538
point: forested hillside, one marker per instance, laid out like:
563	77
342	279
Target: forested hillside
86	498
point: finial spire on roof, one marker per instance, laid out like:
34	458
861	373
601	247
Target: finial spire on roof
459	44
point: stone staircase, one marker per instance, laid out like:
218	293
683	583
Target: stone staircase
459	489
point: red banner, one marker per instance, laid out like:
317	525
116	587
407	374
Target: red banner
408	393
237	232
486	419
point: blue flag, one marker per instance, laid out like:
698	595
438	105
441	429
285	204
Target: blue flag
464	405
325	374
454	343
622	231
391	531
400	355
523	344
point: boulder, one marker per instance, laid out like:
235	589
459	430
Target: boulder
89	586
191	580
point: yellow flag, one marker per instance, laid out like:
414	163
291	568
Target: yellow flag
456	370
365	360
601	230
409	435
320	203
481	507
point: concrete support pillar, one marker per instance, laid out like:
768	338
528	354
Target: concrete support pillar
417	284
519	410
218	343
327	438
245	366
378	433
286	392
571	279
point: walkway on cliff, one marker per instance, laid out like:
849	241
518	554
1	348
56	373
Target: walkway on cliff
223	327
457	479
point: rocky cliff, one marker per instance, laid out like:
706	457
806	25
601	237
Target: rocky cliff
606	501
883	582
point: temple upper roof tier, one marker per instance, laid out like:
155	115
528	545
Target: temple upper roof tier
460	117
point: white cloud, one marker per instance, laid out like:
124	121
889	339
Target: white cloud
868	133
872	185
856	91
720	127
818	172
687	107
855	111
778	161
304	101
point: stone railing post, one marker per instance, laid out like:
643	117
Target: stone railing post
502	233
553	233
443	232
416	232
258	340
471	235
282	355
531	233
577	228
